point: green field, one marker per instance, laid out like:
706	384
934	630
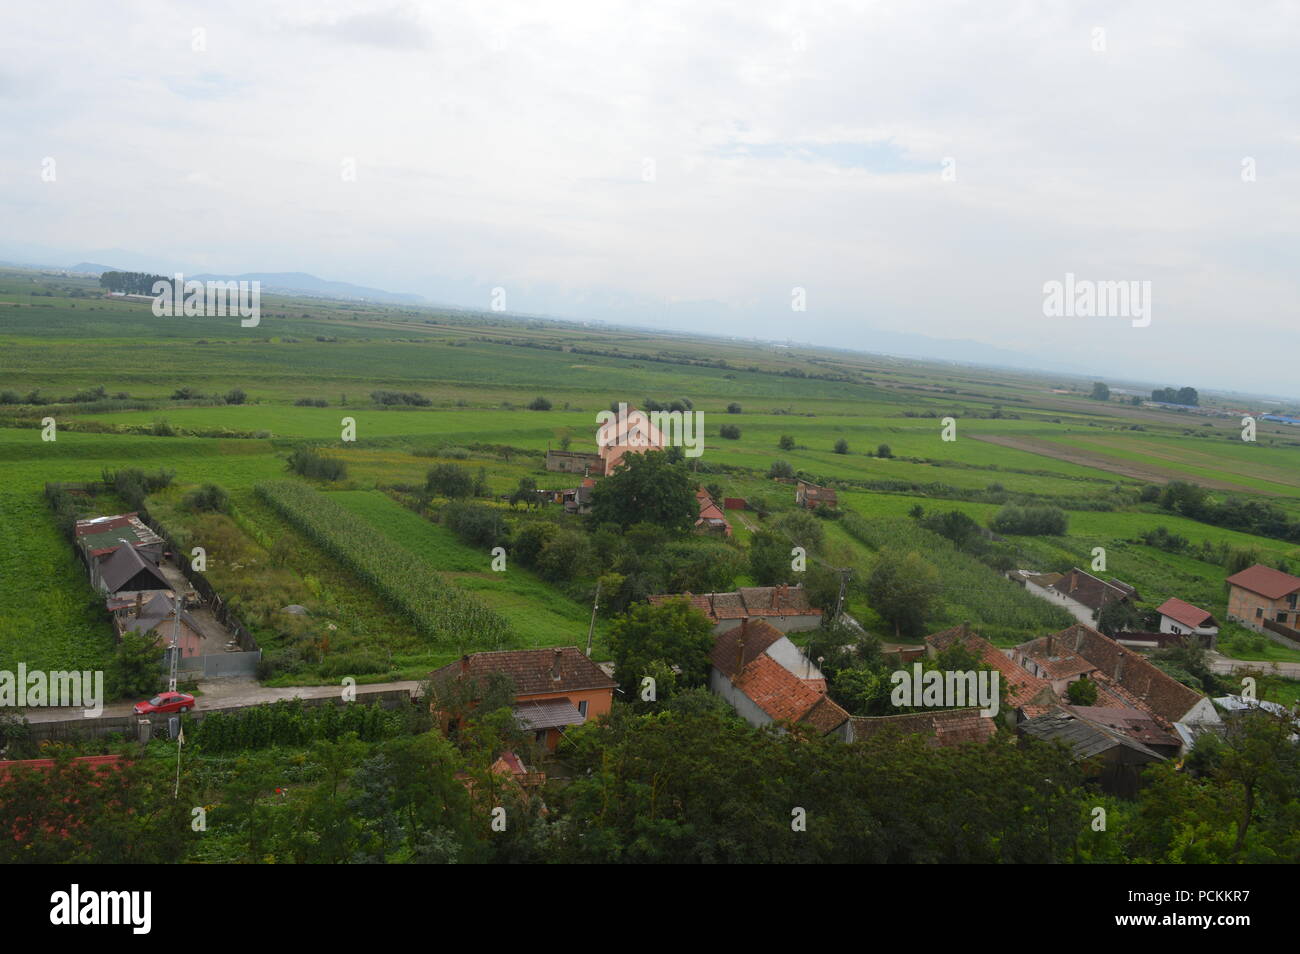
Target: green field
478	372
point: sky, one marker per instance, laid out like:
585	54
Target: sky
899	168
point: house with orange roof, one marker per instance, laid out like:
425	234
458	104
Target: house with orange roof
1183	619
1260	595
767	679
629	432
1024	689
711	519
942	728
785	607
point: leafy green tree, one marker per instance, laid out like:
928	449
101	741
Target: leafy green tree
786	443
449	480
1100	392
769	558
801	528
673	633
1082	692
136	668
841	446
647	488
780	468
1118	617
903	588
884	451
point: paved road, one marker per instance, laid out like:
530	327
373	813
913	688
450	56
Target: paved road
222	693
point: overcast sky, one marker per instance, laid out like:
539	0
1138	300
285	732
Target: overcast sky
689	164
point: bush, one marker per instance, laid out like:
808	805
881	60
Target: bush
407	398
1031	521
841	446
780	468
449	480
236	396
539	403
730	431
733	408
311	402
308	463
786	442
884	451
476	524
209	497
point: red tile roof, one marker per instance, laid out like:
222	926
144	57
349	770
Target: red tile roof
1023	687
1185	613
747	602
533	671
1267	582
1127	673
739	646
946	727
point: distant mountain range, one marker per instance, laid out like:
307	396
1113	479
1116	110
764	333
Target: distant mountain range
295	283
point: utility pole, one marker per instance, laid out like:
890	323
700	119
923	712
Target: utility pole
844	585
595	604
175	650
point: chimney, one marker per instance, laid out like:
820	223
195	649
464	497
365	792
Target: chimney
555	665
1119	667
139	603
464	665
1050	646
740	651
1078	639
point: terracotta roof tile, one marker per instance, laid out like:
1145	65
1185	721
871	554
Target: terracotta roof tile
1267	582
1185	613
533	671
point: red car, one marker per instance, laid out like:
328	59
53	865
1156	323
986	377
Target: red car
166	702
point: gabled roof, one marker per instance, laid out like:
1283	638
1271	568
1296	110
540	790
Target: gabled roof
1091	592
1023	687
533	671
123	565
103	534
787	698
739	646
747	602
1267	582
945	727
1056	657
1134	723
1083	737
1153	690
1185	613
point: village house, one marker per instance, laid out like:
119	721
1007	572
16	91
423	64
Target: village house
1082	594
1265	600
784	607
1025	691
553	688
711	519
632	433
942	728
811	496
577	500
99	536
1125	679
124	570
766	679
1115	756
157	615
1183	619
575	462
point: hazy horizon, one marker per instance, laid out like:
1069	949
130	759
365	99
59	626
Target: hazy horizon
688	169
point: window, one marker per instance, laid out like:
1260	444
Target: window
1259	612
1281	616
1290	601
541	736
582	708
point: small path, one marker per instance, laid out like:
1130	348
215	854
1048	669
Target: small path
1226	666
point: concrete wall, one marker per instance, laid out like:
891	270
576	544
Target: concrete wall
744	706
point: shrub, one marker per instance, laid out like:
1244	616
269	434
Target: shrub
539	403
1031	521
311	402
733	408
786	442
408	398
841	446
449	480
884	451
780	468
209	497
476	524
308	463
730	431
236	396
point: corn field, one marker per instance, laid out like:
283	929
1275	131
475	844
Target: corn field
434	605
